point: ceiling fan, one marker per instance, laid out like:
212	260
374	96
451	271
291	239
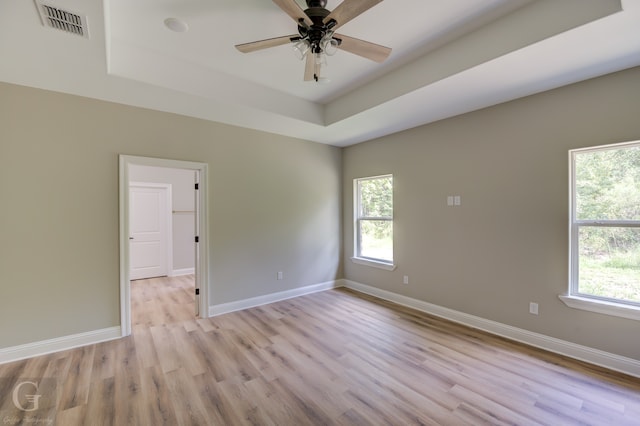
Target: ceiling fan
316	36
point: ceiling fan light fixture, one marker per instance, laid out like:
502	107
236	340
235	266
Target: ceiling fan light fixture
320	59
301	48
329	46
315	39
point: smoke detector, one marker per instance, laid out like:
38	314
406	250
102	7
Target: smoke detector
54	17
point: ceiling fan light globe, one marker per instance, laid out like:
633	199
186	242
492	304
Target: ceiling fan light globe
330	46
301	48
321	59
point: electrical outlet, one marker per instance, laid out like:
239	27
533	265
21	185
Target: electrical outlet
453	200
279	275
405	279
533	308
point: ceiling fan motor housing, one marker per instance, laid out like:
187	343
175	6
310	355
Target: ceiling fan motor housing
317	3
317	31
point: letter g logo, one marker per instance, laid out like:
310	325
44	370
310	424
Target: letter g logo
32	399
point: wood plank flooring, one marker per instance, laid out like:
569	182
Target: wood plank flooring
331	358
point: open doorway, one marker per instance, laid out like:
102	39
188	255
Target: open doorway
178	262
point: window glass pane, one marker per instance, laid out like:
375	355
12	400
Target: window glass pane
376	239
376	197
608	184
609	262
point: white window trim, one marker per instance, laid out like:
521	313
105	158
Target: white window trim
375	263
601	306
574	299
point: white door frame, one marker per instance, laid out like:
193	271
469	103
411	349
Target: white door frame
168	220
202	223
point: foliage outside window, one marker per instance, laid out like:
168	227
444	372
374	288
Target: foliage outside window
374	218
605	223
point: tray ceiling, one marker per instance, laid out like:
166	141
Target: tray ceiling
449	57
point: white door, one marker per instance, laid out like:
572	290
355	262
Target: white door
148	230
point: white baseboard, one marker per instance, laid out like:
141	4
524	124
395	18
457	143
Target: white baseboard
183	271
225	308
584	353
28	350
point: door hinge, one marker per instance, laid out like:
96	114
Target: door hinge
197	239
197	186
197	292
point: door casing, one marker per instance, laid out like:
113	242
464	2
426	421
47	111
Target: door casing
202	228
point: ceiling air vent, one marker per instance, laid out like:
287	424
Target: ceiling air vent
64	20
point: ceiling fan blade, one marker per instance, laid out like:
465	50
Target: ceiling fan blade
310	67
291	8
264	44
366	49
349	9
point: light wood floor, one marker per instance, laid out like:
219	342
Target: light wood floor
335	357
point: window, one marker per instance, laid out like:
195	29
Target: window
374	220
605	225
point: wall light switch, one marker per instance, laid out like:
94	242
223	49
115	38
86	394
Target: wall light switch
279	276
450	200
456	200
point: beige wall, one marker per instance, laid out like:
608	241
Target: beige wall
506	245
274	206
276	203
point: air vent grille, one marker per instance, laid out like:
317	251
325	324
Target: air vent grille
63	20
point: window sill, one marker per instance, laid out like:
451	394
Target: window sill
601	306
373	263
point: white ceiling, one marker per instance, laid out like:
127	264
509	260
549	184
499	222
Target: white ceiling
449	57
